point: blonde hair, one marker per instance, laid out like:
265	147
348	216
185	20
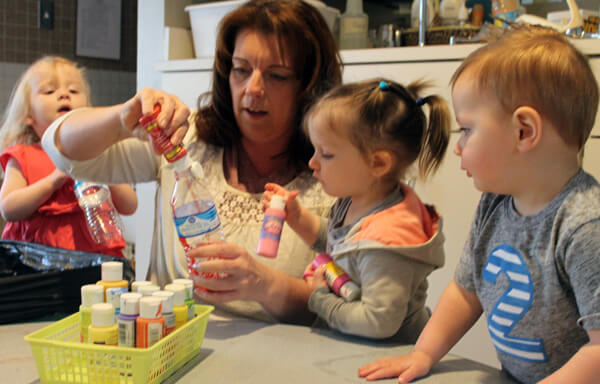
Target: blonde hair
538	67
14	128
379	114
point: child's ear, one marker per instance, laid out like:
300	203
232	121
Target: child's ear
528	123
29	121
381	162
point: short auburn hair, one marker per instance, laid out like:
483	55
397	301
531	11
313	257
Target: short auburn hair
540	68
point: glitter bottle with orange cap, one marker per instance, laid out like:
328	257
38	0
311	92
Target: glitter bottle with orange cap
194	211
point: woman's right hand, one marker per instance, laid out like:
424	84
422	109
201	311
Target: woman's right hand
172	119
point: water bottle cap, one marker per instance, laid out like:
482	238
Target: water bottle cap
179	291
189	287
148	290
112	271
103	315
113	296
167	300
135	286
150	307
91	294
130	303
277	202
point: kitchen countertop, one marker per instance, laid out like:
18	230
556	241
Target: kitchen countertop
428	53
247	351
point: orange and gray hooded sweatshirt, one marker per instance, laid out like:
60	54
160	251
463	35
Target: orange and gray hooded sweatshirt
389	253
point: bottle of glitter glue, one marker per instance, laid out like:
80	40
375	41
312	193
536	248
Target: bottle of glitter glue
270	234
103	329
90	294
150	324
112	276
337	279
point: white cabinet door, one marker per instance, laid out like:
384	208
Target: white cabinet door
187	85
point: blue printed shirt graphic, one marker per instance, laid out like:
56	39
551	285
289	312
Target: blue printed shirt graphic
513	304
536	277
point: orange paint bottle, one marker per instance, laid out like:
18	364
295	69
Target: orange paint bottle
150	324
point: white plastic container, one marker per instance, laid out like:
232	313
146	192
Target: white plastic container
205	19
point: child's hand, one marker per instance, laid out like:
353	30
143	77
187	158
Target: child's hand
58	178
292	207
406	367
316	279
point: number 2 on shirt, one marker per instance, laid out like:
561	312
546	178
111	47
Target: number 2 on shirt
513	304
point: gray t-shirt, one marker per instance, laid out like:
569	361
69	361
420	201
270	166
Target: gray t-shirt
537	277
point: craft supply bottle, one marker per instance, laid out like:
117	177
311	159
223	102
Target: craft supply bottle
103	329
148	290
337	279
113	296
150	324
167	310
270	234
354	26
505	10
90	294
179	308
130	310
194	211
112	276
135	286
103	221
189	295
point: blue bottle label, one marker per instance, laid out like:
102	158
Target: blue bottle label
198	223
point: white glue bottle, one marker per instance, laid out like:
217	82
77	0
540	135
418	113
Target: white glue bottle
90	294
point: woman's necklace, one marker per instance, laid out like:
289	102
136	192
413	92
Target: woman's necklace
241	173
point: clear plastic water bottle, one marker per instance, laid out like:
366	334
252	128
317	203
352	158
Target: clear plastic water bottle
102	218
194	211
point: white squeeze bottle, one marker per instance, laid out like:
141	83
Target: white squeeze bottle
90	294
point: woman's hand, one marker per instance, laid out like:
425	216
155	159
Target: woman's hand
223	272
236	275
172	119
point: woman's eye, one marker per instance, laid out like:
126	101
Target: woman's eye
278	76
327	156
240	70
464	130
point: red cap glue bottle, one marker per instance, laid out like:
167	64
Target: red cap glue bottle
103	329
270	234
150	323
337	279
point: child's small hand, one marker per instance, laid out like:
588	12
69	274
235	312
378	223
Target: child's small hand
317	280
292	207
59	178
406	367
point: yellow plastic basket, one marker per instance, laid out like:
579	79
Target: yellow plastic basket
61	358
